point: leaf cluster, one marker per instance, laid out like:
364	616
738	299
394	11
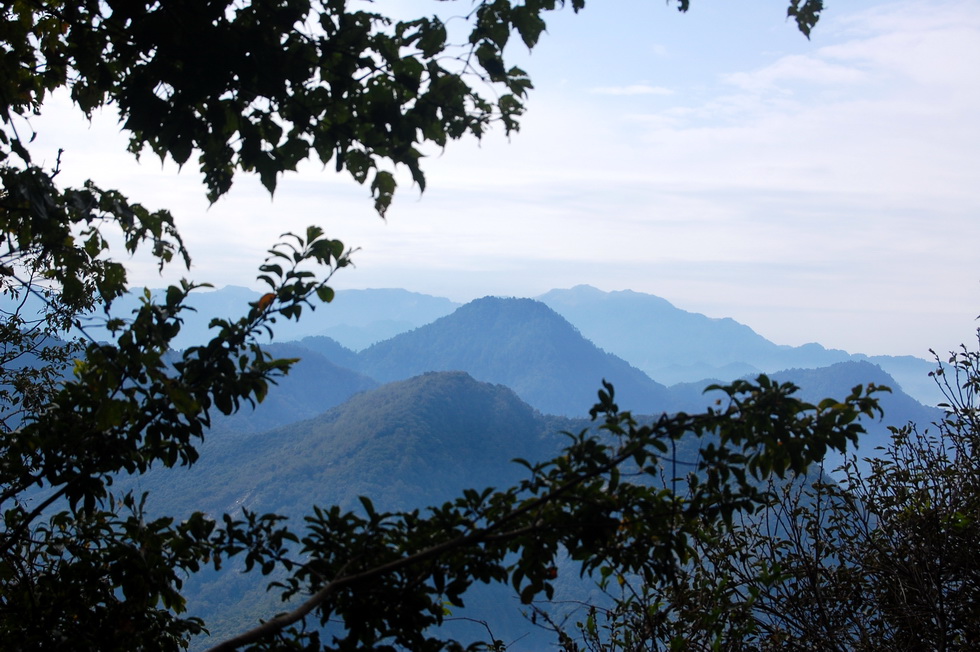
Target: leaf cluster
883	559
261	86
127	408
381	580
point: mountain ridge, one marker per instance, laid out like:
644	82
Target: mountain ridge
673	345
520	343
694	347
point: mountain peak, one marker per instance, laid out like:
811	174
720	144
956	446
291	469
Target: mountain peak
582	295
573	295
521	343
507	305
582	290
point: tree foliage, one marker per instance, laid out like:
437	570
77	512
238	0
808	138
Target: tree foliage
258	87
884	559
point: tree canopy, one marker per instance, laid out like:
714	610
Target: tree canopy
258	87
884	558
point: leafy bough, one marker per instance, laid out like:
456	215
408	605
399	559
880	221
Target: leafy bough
95	574
382	580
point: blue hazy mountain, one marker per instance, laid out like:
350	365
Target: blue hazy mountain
330	349
314	385
520	343
355	318
673	345
359	318
833	381
669	344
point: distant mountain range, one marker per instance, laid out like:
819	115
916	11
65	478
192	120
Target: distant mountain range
519	343
528	347
406	444
409	399
356	318
668	344
533	356
673	345
524	345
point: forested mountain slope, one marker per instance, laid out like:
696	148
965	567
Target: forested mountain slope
408	444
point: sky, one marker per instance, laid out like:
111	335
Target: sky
820	190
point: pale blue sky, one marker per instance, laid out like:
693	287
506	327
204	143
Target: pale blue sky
824	190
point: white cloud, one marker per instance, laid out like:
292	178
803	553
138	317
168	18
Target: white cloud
796	68
943	55
850	168
634	89
817	195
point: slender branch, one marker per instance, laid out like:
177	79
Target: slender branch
13	537
284	620
490	533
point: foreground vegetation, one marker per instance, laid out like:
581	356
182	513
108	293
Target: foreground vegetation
883	559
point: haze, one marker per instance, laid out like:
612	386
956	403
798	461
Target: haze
824	190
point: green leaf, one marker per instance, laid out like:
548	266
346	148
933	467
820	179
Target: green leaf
325	294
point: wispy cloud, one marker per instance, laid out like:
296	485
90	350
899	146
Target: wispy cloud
633	89
796	186
796	69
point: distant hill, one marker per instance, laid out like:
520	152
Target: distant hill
834	381
314	385
409	443
520	343
673	345
330	349
911	373
355	318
